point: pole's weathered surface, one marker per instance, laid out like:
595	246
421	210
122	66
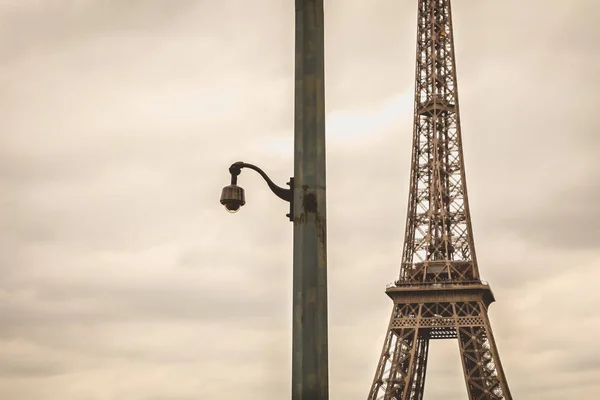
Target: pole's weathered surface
310	350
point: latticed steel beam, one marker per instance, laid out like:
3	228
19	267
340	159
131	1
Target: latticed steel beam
439	294
438	243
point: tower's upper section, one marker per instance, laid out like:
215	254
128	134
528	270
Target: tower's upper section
438	244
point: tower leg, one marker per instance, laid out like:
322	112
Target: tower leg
420	368
483	371
400	374
401	371
397	380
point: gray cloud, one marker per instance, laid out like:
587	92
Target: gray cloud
122	277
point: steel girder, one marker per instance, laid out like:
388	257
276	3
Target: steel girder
439	293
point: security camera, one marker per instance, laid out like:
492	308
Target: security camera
232	197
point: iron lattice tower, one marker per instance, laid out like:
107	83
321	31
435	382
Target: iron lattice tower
439	294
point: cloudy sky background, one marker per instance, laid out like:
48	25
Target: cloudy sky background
121	277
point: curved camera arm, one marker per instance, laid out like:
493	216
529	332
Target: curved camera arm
282	193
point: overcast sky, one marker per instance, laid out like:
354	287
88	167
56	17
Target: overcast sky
122	277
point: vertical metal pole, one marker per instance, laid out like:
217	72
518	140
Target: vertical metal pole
309	347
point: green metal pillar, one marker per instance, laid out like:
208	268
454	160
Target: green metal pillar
309	347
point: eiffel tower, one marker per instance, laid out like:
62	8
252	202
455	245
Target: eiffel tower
439	294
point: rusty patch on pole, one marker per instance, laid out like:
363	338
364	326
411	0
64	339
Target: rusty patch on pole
322	233
309	203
